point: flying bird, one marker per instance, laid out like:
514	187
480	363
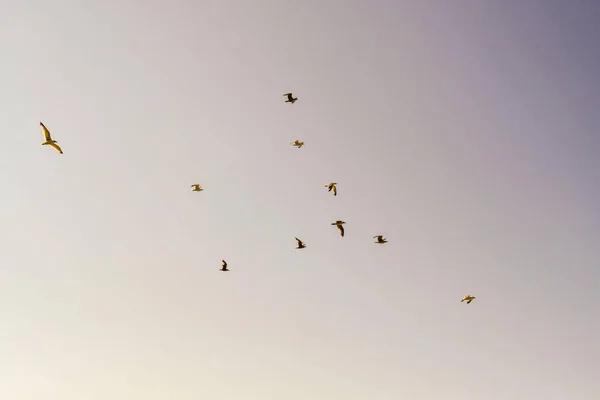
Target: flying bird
339	224
224	267
196	188
468	298
298	143
49	141
290	99
380	239
332	186
301	244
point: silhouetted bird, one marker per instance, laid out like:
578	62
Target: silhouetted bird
339	224
224	267
332	186
301	244
290	99
380	239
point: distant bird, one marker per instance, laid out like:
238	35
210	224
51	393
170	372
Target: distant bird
468	298
332	186
339	224
224	267
196	188
380	239
49	141
298	143
290	99
301	244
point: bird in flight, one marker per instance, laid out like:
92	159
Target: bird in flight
380	239
332	186
468	298
224	267
298	143
301	244
196	188
339	224
49	141
290	99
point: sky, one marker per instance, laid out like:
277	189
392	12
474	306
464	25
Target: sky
464	131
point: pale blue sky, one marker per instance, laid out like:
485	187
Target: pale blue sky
464	131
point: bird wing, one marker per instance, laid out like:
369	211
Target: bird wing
224	263
469	301
46	132
56	147
334	190
289	96
341	228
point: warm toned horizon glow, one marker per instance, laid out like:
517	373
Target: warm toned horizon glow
464	132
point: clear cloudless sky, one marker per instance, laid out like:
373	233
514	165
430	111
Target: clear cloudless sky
464	131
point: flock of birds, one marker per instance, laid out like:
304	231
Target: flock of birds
332	187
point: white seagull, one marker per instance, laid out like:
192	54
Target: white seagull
49	141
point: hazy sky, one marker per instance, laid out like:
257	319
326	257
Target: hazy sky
464	131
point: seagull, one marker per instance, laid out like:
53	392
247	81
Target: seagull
380	239
298	143
224	268
301	244
332	186
49	141
468	298
290	99
196	188
339	224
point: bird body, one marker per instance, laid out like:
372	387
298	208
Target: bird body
380	239
290	98
297	144
196	188
224	266
340	226
301	244
468	298
48	139
332	186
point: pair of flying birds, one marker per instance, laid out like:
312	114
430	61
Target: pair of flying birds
380	238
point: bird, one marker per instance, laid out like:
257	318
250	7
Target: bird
224	267
380	239
339	224
301	244
332	186
468	298
298	143
290	99
49	141
196	188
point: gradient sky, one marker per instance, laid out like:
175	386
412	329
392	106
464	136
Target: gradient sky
464	131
